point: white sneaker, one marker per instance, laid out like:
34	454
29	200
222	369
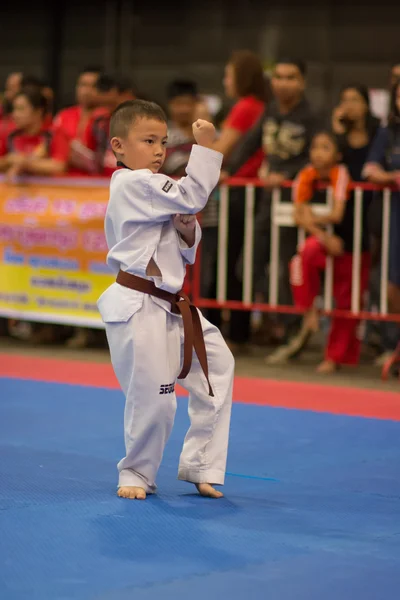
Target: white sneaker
382	358
282	354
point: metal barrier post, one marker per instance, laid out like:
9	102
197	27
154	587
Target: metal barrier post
248	246
328	296
274	257
385	251
223	229
357	239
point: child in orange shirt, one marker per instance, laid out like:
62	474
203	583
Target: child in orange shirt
305	269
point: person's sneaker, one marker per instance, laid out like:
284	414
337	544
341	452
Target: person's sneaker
79	340
295	346
20	330
382	358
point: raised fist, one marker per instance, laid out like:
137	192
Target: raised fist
204	133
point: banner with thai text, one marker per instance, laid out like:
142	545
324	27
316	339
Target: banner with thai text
53	250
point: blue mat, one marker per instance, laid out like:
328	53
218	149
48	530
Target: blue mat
312	508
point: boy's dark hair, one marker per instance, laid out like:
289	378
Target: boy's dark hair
330	134
249	75
299	64
182	87
91	69
106	82
35	98
128	112
31	81
125	84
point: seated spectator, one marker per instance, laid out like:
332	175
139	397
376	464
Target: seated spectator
305	269
182	105
30	82
383	168
244	82
12	87
32	147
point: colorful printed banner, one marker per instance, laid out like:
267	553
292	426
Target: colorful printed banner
52	250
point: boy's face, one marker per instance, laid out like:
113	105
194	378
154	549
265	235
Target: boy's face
145	145
323	152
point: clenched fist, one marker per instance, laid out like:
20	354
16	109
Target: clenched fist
186	225
204	133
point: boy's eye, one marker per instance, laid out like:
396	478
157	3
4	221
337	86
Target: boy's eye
150	141
165	142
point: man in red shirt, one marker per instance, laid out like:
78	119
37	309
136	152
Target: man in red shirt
73	122
111	91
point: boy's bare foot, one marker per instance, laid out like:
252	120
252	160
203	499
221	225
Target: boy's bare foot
132	492
327	367
207	490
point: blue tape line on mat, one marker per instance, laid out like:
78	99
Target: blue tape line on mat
252	477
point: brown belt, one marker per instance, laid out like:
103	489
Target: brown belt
180	304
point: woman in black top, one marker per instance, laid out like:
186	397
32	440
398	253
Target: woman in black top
355	127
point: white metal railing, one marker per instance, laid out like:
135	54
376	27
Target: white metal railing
282	216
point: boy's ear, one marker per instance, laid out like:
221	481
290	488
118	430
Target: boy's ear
117	145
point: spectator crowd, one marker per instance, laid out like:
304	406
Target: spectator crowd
272	132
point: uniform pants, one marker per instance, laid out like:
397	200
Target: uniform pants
305	276
146	356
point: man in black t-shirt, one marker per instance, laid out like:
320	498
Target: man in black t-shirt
284	132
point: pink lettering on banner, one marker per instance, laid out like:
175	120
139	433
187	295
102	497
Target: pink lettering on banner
93	210
29	237
36	205
63	207
94	241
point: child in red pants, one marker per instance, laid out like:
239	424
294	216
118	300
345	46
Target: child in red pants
305	268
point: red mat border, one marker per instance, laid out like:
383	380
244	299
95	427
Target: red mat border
267	392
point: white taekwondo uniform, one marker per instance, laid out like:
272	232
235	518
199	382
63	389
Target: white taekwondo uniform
145	337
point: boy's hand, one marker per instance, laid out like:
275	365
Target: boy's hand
186	225
204	133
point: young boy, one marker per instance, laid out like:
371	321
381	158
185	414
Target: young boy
152	233
305	268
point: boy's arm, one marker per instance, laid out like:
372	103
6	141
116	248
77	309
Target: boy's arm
304	218
302	192
154	197
341	184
